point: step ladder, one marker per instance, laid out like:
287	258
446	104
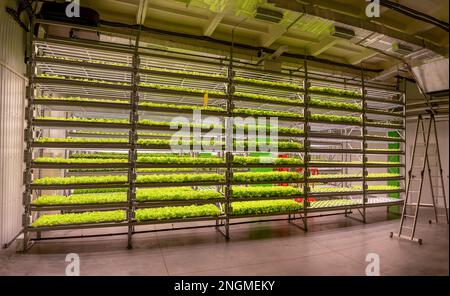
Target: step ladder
408	222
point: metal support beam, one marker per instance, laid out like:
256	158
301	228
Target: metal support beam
275	32
213	22
142	12
363	55
322	45
388	72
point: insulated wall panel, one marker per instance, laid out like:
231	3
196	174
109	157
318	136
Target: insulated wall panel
12	98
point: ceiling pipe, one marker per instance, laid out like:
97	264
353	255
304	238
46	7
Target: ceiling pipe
415	14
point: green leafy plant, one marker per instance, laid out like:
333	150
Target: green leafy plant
142	195
335	118
156	178
267	98
352	162
123	155
383	137
80	140
179	178
264	192
333	189
335	105
344	176
352	188
167	213
264	207
383	149
80	180
74	119
246	160
191	73
96	198
80	160
51	76
182	107
384	123
168	143
165	159
139	170
267	176
334	92
180	193
268	83
79	218
140	134
333	203
99	155
268	113
187	73
91	61
147	122
180	89
172	178
81	99
99	190
378	187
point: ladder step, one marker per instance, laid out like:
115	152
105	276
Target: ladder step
407	227
408	216
421	205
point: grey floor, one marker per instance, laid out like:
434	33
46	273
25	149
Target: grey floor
334	245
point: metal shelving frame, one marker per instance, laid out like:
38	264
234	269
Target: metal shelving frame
133	107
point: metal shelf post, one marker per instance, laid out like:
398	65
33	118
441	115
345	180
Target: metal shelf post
133	135
28	136
229	139
364	146
306	145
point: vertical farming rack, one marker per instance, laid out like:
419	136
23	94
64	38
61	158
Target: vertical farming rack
103	120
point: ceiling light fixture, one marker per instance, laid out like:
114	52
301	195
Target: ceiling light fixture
343	33
402	49
269	15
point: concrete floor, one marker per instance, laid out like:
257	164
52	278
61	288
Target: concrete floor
334	245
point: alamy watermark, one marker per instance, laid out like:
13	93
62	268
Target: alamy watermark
73	8
73	268
229	134
373	268
373	8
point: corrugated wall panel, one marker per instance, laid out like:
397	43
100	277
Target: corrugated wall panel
12	101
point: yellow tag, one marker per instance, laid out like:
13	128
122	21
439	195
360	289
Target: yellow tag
205	99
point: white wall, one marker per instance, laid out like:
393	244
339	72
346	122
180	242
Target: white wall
12	98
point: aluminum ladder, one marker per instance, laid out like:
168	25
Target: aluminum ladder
407	219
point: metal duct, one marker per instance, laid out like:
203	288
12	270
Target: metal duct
432	76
